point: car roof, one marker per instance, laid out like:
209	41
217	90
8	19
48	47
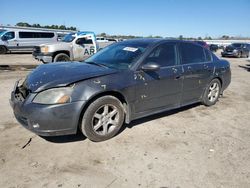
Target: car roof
155	41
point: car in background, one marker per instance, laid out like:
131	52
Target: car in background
112	40
213	47
123	82
101	39
24	40
236	50
73	47
202	43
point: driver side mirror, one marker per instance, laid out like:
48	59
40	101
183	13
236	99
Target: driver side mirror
4	38
80	41
151	66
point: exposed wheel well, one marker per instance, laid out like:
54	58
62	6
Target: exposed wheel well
116	94
62	51
219	80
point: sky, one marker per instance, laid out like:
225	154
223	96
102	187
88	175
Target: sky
167	18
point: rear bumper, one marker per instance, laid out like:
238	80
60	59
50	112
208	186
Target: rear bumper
45	58
47	120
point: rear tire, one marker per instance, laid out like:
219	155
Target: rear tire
102	119
3	50
62	57
212	93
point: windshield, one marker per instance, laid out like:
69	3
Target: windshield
237	45
69	37
2	32
119	55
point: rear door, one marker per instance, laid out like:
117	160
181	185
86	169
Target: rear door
196	71
159	89
10	40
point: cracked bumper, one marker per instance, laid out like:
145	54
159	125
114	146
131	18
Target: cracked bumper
47	120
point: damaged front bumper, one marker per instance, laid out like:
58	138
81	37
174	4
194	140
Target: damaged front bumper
45	58
46	120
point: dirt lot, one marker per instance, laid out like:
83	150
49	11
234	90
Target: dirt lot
195	146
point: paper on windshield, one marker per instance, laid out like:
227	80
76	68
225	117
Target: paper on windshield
130	49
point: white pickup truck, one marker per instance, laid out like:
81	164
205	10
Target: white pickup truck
73	47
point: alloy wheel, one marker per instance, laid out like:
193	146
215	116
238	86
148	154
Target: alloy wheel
105	119
213	92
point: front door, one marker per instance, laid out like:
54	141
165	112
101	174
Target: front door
10	40
159	89
83	48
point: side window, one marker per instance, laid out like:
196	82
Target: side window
9	35
191	53
47	35
26	35
82	41
164	55
208	55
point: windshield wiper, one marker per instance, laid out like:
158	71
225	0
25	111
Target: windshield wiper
97	64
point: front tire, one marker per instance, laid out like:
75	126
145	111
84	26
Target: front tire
62	57
3	50
102	119
212	93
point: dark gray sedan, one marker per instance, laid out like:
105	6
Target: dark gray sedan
122	82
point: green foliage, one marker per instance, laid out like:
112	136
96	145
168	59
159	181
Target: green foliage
181	37
62	27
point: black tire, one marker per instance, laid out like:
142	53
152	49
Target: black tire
89	119
206	99
62	57
3	50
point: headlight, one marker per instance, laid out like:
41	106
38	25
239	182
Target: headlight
44	49
54	96
235	51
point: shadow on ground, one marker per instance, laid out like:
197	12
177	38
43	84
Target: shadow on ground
17	67
65	139
19	52
160	115
246	67
80	137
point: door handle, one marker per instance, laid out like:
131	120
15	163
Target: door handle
205	67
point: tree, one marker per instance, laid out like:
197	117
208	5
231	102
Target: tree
63	27
23	24
225	37
181	37
103	34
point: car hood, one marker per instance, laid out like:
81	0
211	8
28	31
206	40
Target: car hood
57	44
62	74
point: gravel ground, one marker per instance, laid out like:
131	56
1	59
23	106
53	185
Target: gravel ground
195	146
